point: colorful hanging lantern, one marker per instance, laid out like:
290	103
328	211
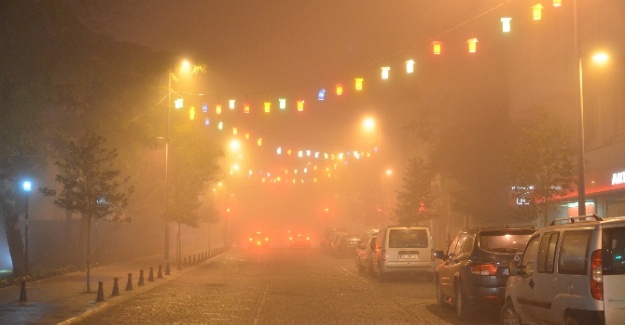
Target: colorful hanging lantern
246	108
339	89
358	83
472	45
207	121
218	109
537	11
410	66
235	131
300	105
192	113
505	24
247	136
282	102
259	142
205	107
436	47
179	103
321	95
385	71
231	103
557	3
267	107
220	125
279	151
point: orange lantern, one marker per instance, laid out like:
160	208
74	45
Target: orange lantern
436	47
218	109
358	84
339	89
247	136
472	45
410	66
300	105
385	71
246	108
505	24
537	12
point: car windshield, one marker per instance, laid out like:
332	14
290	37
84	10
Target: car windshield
504	242
407	238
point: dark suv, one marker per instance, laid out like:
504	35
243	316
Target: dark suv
474	270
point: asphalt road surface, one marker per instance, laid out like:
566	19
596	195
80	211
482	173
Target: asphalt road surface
284	286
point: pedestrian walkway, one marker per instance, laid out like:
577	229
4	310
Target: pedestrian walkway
63	299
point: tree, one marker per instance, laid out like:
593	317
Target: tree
90	185
415	201
542	167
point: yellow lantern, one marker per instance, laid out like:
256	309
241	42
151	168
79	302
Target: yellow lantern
410	66
339	89
267	107
247	136
246	108
300	105
472	45
218	109
282	102
505	24
537	11
557	3
234	131
192	113
259	142
436	47
385	71
358	84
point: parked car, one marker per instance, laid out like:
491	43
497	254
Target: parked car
474	270
363	253
345	245
299	241
572	272
402	250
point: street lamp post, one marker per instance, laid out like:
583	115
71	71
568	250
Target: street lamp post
27	186
581	185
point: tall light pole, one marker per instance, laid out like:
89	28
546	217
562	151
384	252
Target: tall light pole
27	186
581	179
169	90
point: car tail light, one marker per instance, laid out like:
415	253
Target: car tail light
384	257
484	269
596	272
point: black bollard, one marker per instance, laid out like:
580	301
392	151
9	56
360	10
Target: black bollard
100	295
23	292
115	288
167	271
129	284
151	276
140	283
160	272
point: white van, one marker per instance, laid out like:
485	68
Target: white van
403	249
571	273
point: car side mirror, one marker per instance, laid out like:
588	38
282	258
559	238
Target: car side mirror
440	255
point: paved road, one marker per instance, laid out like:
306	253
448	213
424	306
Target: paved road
282	286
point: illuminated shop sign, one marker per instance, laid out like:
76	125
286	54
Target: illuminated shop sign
618	178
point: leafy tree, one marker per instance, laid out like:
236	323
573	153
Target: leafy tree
415	200
541	166
90	185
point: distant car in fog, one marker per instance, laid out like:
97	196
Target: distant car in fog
363	253
330	235
258	240
345	245
299	241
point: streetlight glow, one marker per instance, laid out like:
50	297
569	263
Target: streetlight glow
27	186
369	124
600	58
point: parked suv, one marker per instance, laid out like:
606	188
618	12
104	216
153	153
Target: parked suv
572	272
474	270
402	250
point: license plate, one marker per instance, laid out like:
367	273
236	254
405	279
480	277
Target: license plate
409	256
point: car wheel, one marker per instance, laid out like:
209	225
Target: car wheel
440	297
508	315
464	309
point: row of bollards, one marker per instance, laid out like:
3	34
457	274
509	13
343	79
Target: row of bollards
192	259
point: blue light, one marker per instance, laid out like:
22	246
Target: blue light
322	94
27	185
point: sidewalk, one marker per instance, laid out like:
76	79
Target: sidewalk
62	299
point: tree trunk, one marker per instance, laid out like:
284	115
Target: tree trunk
14	240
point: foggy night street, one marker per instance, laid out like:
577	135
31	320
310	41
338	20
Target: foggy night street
283	286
